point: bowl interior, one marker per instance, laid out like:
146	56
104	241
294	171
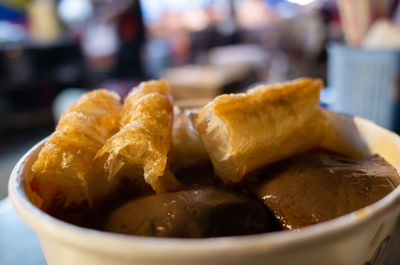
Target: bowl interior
353	135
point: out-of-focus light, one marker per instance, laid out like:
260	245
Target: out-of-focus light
74	11
286	9
196	19
301	2
153	10
252	14
10	32
100	40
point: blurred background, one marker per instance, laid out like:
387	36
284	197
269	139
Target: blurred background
53	50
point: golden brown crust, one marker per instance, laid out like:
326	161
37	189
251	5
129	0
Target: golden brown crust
186	149
141	147
243	132
61	170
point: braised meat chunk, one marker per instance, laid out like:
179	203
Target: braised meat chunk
315	187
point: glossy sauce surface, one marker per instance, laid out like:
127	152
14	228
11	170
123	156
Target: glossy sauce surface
315	187
195	213
305	189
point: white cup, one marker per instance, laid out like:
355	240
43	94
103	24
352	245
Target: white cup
356	238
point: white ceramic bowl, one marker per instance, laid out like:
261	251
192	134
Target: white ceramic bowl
356	238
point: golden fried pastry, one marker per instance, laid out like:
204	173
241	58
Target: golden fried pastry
339	139
61	172
243	132
141	147
187	149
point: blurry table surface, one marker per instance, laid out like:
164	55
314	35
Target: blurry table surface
20	246
18	242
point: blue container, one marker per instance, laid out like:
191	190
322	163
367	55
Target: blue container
366	83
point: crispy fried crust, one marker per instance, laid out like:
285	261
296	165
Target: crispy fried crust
186	149
61	170
243	132
140	148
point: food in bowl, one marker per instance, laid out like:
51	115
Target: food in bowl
315	187
61	174
190	213
246	163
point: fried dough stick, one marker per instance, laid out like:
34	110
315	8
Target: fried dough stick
186	148
141	146
244	132
61	174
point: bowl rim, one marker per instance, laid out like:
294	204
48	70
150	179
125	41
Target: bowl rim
111	243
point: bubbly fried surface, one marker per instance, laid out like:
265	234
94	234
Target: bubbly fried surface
141	146
61	171
186	148
100	146
243	132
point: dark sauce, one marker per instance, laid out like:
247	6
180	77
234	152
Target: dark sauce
305	189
